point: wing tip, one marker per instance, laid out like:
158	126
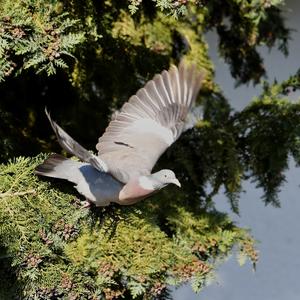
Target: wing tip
48	114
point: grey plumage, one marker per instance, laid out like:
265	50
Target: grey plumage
149	122
58	166
74	148
136	137
98	187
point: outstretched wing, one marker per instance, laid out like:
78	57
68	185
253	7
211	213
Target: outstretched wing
149	122
74	148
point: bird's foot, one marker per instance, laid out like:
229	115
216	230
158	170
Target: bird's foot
86	204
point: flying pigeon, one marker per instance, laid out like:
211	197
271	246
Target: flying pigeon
147	124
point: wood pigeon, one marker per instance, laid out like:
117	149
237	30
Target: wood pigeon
135	138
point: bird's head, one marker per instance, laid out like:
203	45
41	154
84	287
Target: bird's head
166	177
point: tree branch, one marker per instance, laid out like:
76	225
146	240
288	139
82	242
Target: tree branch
6	194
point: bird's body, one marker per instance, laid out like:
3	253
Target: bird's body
136	137
98	187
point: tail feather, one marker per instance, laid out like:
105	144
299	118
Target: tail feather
58	166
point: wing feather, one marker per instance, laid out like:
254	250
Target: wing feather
190	78
74	148
147	110
184	90
168	85
162	89
145	97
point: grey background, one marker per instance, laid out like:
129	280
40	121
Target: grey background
278	271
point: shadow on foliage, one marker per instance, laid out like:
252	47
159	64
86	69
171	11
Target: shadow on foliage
10	287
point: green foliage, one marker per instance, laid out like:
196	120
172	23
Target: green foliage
40	35
269	131
110	44
242	26
169	7
54	248
99	53
35	34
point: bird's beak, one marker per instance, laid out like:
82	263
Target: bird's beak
176	181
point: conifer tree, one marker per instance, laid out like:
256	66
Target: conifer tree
83	59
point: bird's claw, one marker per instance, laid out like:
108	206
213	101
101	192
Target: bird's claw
86	204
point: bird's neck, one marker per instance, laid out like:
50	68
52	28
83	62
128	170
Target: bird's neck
148	182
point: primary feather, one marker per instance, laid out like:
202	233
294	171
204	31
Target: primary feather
74	148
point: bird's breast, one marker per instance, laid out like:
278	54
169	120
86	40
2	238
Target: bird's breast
133	192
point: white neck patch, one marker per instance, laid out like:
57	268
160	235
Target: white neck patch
146	183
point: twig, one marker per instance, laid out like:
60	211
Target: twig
2	195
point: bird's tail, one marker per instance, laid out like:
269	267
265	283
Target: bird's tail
58	166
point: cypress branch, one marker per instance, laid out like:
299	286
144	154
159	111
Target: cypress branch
53	248
56	248
7	194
